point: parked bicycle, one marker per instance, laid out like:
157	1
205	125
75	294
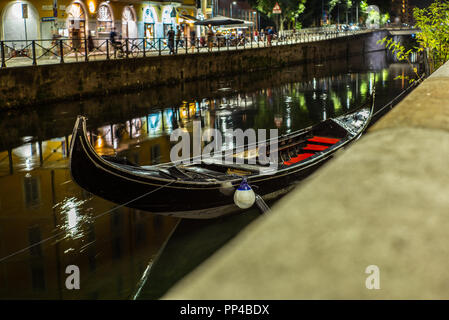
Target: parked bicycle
121	50
23	52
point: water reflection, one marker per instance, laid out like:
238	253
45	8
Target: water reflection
72	217
53	223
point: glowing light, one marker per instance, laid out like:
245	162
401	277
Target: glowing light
99	142
154	120
371	82
154	123
336	102
302	102
384	75
168	117
183	113
28	164
91	6
363	88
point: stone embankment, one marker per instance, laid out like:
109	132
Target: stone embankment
382	202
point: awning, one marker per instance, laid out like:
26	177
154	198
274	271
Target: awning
245	24
188	17
219	21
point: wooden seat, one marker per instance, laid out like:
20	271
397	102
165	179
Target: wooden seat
324	140
315	147
298	158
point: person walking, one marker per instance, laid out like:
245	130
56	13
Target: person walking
90	42
114	42
54	43
113	36
192	40
210	38
269	35
178	38
171	40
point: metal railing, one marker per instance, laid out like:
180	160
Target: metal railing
49	51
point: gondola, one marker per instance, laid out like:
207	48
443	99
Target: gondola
205	188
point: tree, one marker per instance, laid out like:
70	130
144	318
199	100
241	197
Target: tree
291	10
434	36
312	13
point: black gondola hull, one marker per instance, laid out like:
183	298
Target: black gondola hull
150	190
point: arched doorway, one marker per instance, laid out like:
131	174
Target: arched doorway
20	24
105	20
129	27
149	19
76	22
168	19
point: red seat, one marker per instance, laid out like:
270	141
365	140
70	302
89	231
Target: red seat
298	158
315	147
324	140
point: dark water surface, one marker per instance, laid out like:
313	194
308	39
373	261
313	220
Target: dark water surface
48	223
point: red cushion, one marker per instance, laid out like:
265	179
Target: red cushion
315	147
324	140
298	158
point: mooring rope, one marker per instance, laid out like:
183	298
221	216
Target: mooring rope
94	218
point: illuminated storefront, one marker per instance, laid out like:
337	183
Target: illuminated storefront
186	19
76	19
105	20
149	21
76	23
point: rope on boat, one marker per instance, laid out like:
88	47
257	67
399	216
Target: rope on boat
94	218
263	206
398	97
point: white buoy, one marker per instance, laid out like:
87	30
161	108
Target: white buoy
244	196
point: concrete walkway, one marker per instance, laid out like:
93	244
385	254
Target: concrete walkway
383	202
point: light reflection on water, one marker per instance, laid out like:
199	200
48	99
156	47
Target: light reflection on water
39	201
73	217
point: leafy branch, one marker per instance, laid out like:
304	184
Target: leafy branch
399	50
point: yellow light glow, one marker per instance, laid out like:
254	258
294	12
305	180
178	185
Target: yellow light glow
91	5
99	142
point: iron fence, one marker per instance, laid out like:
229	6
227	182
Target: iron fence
16	53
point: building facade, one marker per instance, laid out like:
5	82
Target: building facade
23	20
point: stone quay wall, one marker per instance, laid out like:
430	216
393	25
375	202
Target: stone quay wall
37	85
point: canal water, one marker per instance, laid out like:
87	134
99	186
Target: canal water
48	223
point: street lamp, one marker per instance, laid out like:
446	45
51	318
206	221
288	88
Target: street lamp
230	7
